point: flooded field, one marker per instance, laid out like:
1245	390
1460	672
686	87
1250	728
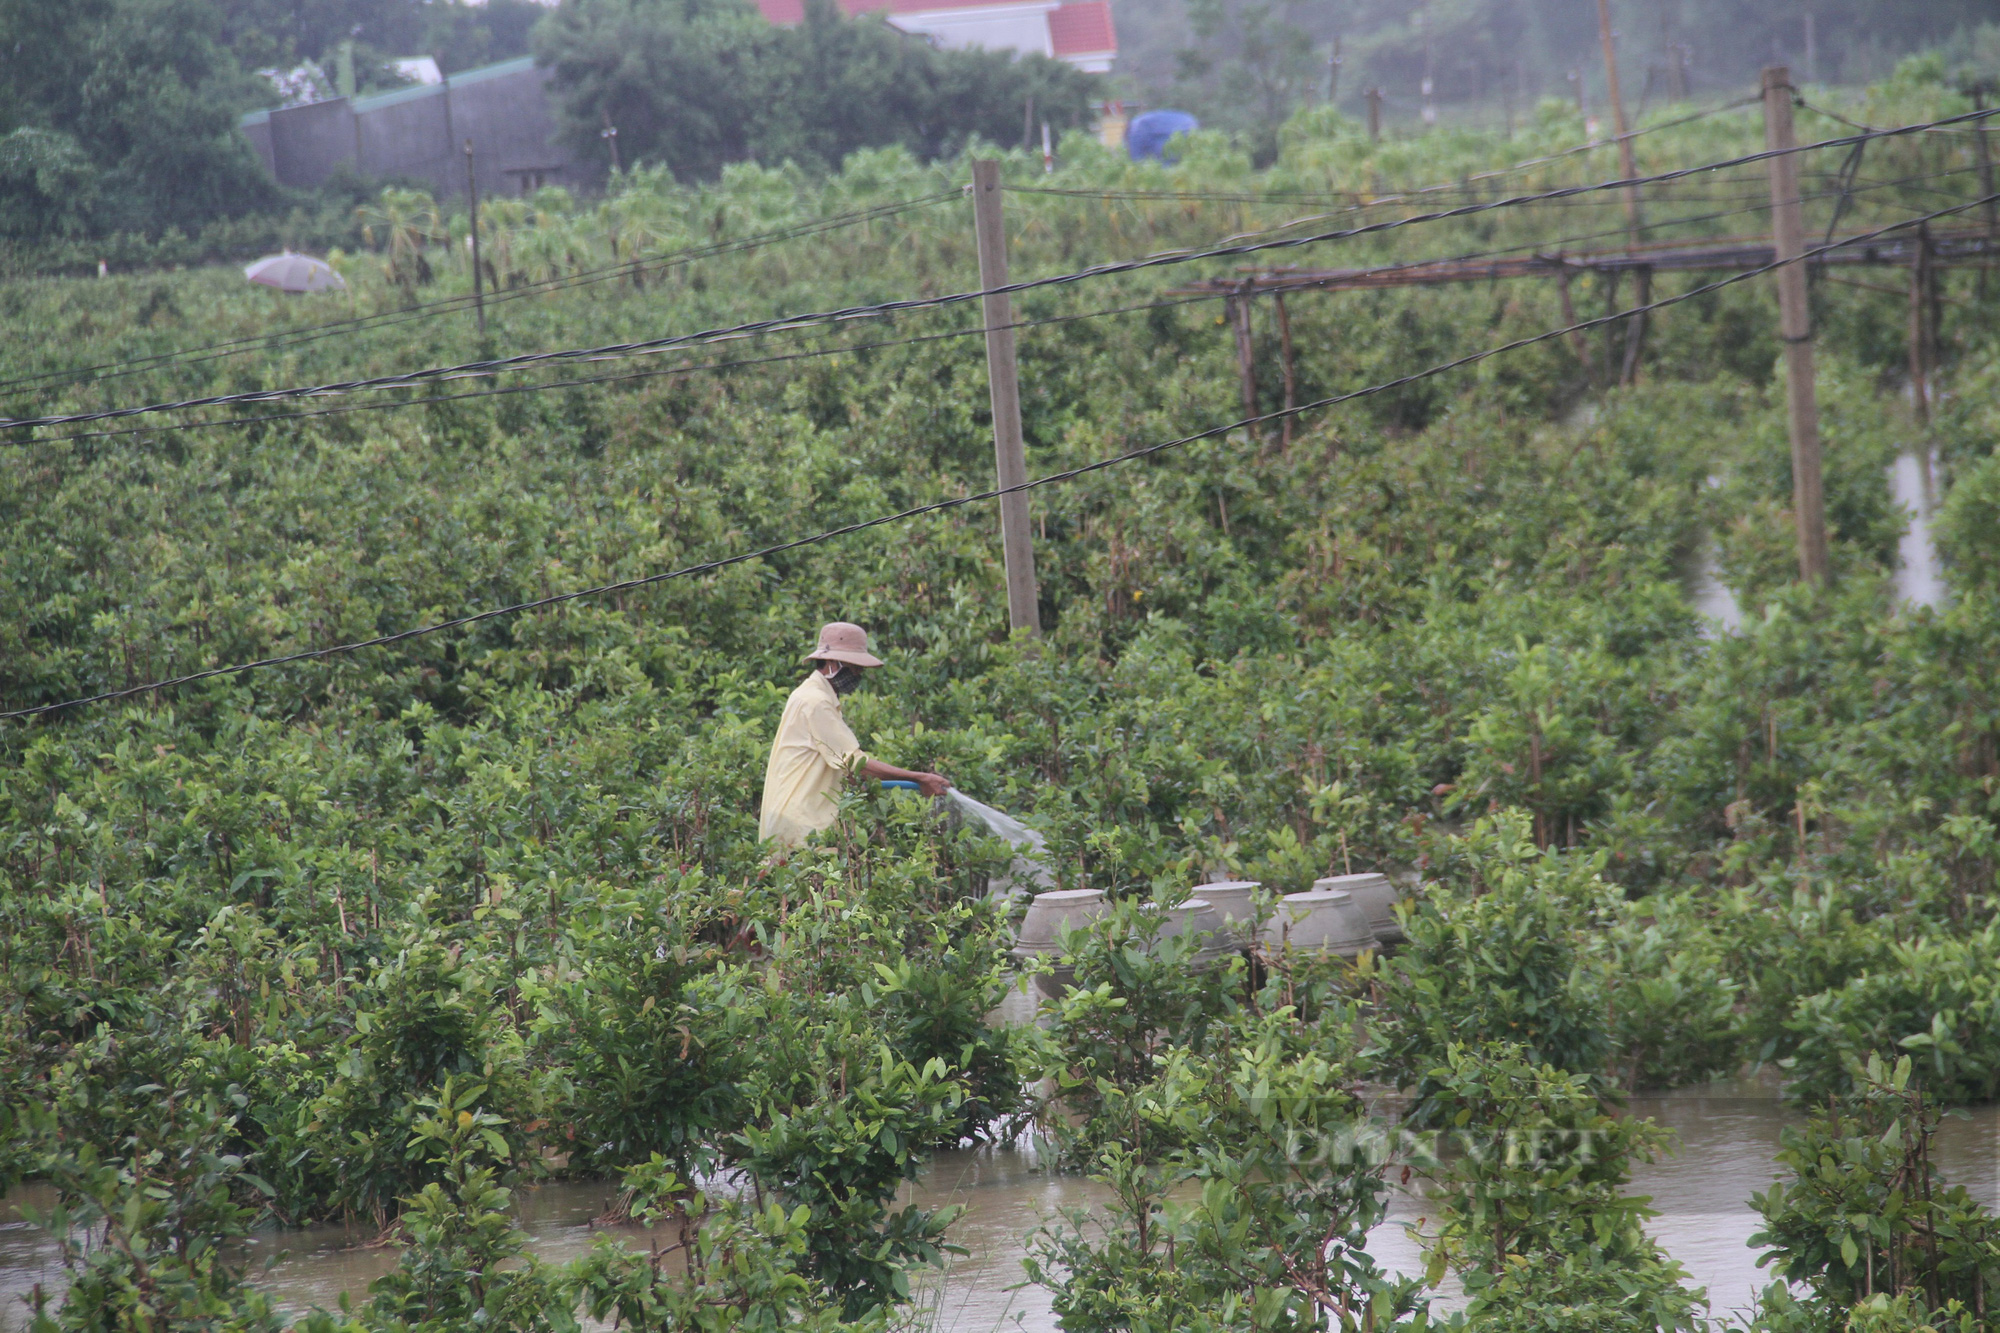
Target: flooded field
1727	1138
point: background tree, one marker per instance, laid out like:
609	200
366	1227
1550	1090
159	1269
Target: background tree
149	95
698	84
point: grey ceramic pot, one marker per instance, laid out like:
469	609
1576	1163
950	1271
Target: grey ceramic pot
1198	917
1231	901
1375	896
1040	936
1320	921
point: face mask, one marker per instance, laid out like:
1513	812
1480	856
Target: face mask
846	680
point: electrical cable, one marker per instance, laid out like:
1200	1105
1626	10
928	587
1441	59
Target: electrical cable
1800	102
956	502
1557	244
1758	201
653	345
285	338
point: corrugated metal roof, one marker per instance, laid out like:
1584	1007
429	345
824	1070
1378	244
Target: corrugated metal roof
396	96
375	101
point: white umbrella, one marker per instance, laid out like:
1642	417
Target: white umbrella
295	273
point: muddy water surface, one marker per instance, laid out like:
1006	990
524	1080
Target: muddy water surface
1728	1137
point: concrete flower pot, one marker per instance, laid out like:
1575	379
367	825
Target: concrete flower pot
1320	921
1198	917
1375	896
1231	901
1040	935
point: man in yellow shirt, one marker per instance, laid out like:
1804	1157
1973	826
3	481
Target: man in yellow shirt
815	751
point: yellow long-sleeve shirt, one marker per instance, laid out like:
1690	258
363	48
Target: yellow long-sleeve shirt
813	754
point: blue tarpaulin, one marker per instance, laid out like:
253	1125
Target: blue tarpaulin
1149	133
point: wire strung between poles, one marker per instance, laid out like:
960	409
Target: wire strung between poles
960	502
784	322
1557	244
295	337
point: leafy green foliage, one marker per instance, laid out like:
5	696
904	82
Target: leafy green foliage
842	1157
1533	1215
739	1268
429	1020
144	1227
1934	998
1866	1221
1502	956
457	1270
146	94
1241	1196
697	86
520	856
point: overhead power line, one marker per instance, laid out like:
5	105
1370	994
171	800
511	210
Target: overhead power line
957	502
457	304
753	327
299	336
625	377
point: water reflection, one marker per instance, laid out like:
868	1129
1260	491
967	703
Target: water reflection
1712	599
1919	581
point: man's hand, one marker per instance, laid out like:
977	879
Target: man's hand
931	784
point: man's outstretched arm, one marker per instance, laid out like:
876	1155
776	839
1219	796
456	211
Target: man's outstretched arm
931	784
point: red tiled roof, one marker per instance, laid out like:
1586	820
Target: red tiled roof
1082	28
794	11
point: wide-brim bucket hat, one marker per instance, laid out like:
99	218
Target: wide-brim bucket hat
842	642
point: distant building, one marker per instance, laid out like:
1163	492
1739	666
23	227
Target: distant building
1079	31
419	133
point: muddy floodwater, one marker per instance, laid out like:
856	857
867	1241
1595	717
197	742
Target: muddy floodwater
1727	1132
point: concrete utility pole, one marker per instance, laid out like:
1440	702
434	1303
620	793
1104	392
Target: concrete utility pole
1633	218
1985	155
1923	326
1010	456
472	194
1795	326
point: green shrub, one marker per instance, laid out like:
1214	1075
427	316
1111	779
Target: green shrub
1245	1201
1502	955
1865	1218
1937	999
1531	1209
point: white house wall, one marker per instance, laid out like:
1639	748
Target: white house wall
1014	27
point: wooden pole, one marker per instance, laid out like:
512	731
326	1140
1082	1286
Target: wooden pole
1291	372
1635	219
1635	327
1795	327
1984	153
1010	456
1920	281
478	287
1577	343
1612	359
1246	354
1374	113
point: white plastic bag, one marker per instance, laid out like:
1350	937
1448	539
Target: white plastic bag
1027	874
